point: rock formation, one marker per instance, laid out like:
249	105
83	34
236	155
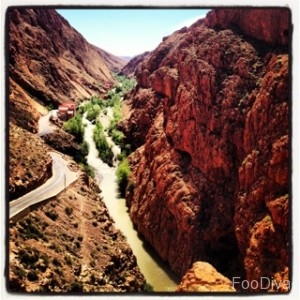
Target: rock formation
209	119
203	277
50	62
130	68
269	26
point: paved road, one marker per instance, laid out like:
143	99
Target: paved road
44	123
62	176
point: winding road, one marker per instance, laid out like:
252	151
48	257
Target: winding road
44	123
62	176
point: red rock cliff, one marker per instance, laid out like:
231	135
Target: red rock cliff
210	119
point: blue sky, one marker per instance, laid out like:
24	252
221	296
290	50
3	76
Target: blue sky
128	32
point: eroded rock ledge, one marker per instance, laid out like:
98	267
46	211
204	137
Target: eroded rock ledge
203	277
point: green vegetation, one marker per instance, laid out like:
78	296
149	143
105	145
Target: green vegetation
84	148
123	172
124	84
89	170
80	157
69	210
50	106
117	136
27	230
93	112
68	260
75	127
51	214
115	95
92	109
76	287
104	149
28	256
148	288
32	275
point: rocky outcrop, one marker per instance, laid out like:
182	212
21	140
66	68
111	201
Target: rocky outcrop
130	68
62	142
262	207
271	27
29	164
50	62
209	121
203	277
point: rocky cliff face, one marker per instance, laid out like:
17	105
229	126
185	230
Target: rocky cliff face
50	62
269	26
209	118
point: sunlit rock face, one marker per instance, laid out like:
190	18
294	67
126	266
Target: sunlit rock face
209	120
203	277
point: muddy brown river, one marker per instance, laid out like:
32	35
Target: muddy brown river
156	272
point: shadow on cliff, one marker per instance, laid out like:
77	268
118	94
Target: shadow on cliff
163	265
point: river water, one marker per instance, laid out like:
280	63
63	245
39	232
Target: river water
156	272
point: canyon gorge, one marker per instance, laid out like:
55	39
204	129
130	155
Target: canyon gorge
208	124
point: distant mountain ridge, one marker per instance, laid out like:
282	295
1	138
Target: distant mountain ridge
127	58
132	65
115	63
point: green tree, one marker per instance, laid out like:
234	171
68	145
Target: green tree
105	152
123	172
75	127
93	112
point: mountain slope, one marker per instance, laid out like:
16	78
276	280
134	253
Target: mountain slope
50	62
209	122
68	243
131	66
114	63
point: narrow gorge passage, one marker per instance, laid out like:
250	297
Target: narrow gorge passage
155	271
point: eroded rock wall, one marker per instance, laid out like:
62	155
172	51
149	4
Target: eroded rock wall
211	169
